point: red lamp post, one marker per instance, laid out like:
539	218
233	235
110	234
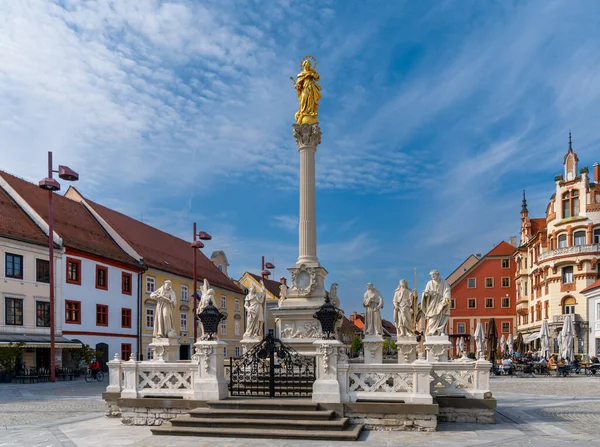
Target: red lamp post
51	185
196	245
266	266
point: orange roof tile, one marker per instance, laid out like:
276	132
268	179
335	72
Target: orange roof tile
594	285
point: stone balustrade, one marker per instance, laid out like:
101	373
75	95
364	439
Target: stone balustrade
568	251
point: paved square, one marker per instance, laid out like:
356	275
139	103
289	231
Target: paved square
540	411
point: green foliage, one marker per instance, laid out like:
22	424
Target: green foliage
9	356
471	355
389	345
84	355
357	344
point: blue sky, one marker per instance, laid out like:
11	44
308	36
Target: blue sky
435	115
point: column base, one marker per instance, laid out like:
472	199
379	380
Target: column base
437	347
373	348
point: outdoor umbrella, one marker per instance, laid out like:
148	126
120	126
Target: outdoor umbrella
510	345
503	345
479	340
544	339
566	337
491	342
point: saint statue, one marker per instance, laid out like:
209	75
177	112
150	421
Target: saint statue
309	92
333	296
403	309
165	303
282	293
435	304
373	302
255	316
207	296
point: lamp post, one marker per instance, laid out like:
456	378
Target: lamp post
265	273
197	245
51	185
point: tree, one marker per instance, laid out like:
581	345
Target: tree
9	356
84	355
357	344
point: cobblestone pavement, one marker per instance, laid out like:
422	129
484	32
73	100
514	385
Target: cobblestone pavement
531	412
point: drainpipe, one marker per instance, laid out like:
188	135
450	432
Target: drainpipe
140	315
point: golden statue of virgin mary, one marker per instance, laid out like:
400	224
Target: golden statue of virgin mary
309	92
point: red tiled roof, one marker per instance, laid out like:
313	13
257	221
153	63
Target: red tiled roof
502	249
538	224
15	224
594	285
156	247
73	223
348	326
358	320
272	286
388	326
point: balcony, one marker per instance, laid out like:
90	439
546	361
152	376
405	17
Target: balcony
569	251
561	318
522	308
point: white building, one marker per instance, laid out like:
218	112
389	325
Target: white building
592	295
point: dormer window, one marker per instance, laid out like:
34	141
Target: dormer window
570	203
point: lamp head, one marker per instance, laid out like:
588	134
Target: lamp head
203	235
197	244
49	184
66	173
269	265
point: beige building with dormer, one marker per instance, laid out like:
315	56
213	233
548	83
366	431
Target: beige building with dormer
558	256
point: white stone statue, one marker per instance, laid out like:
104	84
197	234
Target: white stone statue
461	347
333	296
165	303
207	296
373	302
435	304
255	315
282	293
403	309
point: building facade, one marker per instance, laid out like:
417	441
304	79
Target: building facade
558	256
592	295
484	290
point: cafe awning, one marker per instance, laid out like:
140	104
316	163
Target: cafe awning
37	341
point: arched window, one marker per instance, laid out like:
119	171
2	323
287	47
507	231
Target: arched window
568	305
562	241
579	238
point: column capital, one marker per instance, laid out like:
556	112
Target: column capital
307	135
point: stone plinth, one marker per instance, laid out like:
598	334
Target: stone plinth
210	383
327	387
164	349
115	381
373	348
437	347
249	343
407	348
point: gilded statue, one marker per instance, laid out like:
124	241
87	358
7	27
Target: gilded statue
309	92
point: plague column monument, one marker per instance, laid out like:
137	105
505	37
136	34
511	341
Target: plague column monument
295	324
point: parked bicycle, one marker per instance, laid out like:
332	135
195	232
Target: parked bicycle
89	376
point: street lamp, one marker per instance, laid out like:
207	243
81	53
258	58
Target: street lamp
266	266
51	185
197	245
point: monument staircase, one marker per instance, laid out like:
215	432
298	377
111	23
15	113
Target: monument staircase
262	418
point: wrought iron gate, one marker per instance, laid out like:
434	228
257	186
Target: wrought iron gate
271	369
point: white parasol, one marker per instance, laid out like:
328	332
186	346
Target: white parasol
544	339
510	343
566	338
503	344
479	340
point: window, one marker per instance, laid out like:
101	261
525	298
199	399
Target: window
505	328
73	271
237	351
525	287
42	314
506	302
125	351
570	203
597	236
150	284
489	302
546	306
101	315
183	295
220	267
237	326
579	238
562	241
569	305
14	266
73	312
42	270
223	302
489	283
101	277
598	311
126	283
225	351
506	263
471	283
149	353
237	305
567	275
14	311
183	321
460	328
125	317
149	318
452	303
472	303
223	327
505	281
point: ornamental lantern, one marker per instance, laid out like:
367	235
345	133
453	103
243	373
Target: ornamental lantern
210	317
328	316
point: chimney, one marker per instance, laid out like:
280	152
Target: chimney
596	172
353	317
283	281
513	241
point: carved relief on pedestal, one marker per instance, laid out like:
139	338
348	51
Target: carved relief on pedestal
304	280
406	351
437	351
202	354
305	330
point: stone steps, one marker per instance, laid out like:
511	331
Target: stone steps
255	418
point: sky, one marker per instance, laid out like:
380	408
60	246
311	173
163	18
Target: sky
435	116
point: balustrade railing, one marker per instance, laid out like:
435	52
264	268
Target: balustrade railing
567	251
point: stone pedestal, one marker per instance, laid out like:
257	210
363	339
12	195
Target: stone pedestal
437	347
249	343
210	383
326	389
130	379
164	349
115	381
407	349
373	348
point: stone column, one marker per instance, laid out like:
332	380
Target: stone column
326	388
407	349
130	381
114	375
307	136
437	347
373	348
210	383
